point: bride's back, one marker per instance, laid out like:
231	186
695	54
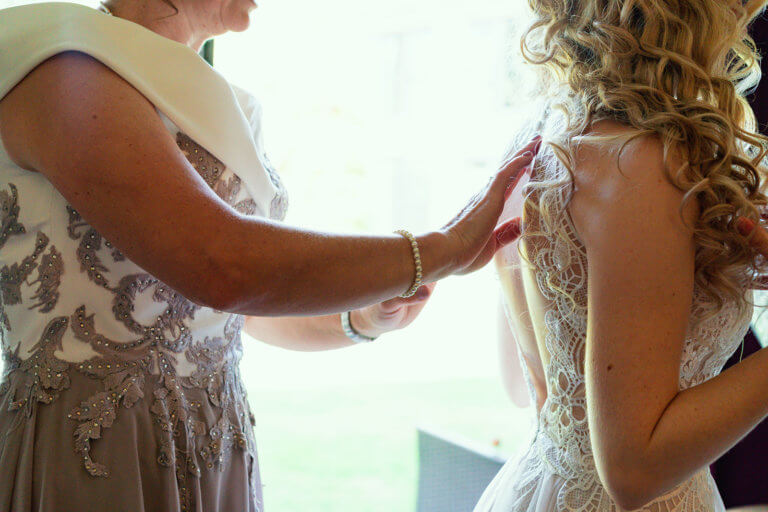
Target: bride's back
619	302
545	278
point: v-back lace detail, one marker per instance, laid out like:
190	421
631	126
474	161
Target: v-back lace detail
561	445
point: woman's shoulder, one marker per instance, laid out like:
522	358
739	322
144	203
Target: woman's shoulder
28	12
38	33
29	32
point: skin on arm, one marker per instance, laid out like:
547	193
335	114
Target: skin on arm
105	149
303	334
511	369
648	436
325	333
515	323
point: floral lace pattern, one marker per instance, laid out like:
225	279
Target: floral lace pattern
211	170
562	444
154	351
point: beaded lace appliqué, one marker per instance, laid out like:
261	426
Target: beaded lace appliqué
125	367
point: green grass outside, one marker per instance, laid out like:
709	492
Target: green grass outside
354	448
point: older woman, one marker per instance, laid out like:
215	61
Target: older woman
139	226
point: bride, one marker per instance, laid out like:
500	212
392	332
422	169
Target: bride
647	137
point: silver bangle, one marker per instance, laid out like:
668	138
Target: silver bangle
350	331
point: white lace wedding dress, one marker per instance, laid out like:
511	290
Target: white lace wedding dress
556	472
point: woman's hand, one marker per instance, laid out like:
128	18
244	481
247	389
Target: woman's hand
473	234
392	314
399	313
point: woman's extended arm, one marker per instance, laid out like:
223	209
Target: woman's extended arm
317	333
647	435
304	334
105	149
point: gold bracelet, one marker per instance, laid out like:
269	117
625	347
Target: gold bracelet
416	261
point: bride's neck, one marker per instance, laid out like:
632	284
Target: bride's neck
162	17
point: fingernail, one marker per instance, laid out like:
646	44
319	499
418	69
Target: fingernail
507	238
509	235
537	147
527	154
745	225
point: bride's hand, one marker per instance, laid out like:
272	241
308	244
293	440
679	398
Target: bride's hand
759	242
392	314
472	234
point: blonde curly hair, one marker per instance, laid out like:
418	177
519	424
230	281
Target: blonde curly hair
679	70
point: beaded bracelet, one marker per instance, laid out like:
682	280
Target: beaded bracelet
416	261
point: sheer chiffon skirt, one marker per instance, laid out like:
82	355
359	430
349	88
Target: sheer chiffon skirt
502	496
40	469
525	484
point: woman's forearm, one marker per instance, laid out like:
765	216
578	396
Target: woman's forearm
271	269
181	232
308	334
703	422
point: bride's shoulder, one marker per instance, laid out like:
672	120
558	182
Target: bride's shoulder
610	150
621	172
612	157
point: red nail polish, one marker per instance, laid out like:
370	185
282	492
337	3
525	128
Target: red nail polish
508	235
745	226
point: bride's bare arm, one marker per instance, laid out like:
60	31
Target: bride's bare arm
511	368
105	149
647	435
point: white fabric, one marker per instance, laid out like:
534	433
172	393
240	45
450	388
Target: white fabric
205	107
557	472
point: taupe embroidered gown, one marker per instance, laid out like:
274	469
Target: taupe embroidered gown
119	394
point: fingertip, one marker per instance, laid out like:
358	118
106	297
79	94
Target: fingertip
745	226
504	240
392	305
508	233
422	293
